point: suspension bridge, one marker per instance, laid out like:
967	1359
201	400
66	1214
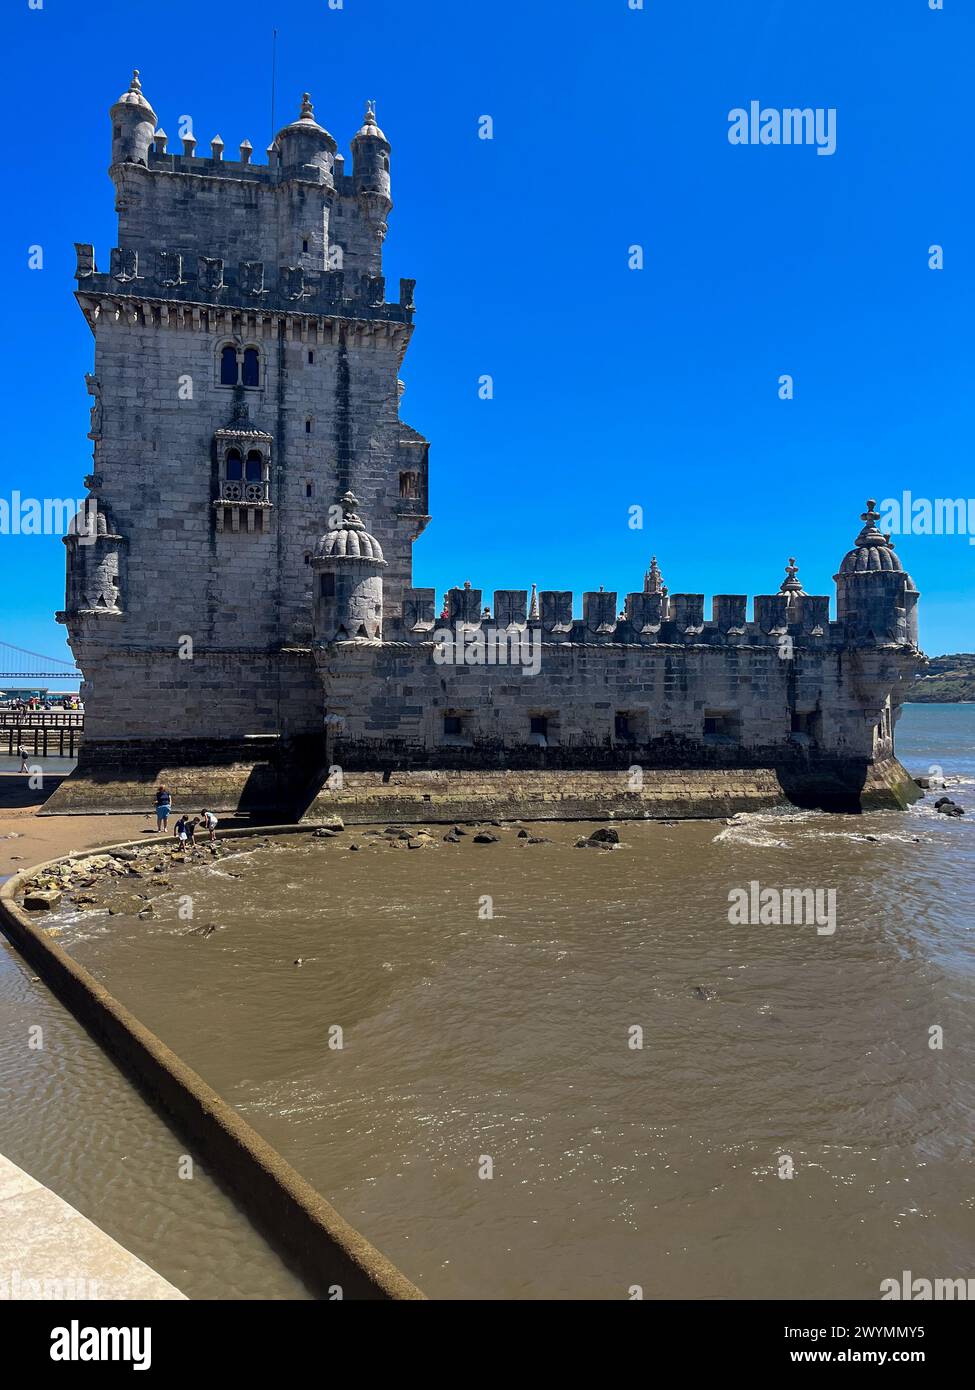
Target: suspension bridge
19	664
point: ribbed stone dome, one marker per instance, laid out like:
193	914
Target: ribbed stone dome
134	97
369	130
307	125
351	540
872	550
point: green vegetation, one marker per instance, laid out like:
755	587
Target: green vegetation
947	679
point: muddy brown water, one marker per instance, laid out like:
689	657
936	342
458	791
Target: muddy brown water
495	1036
471	1037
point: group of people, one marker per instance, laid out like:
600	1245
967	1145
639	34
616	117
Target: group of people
35	704
185	829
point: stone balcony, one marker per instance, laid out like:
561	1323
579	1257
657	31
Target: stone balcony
246	493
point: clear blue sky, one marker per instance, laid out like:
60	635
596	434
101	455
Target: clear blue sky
613	387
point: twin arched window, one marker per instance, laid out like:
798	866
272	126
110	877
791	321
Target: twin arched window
240	470
240	366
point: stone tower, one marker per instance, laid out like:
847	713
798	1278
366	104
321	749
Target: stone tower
246	375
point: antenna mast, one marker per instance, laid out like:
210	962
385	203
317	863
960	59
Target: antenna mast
274	76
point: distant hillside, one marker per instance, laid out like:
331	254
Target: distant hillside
947	679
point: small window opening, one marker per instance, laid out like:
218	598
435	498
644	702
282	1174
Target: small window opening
235	466
228	367
304	244
311	358
539	724
252	370
307	427
255	466
328	586
309	489
452	725
721	724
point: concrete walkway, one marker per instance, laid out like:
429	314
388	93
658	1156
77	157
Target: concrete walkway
50	1251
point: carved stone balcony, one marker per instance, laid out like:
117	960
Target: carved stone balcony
243	506
249	493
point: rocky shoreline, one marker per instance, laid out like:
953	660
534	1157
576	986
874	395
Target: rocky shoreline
125	880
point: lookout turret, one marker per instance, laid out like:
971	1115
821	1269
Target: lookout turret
348	565
305	149
875	596
370	175
133	125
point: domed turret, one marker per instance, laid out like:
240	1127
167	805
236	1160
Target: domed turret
370	171
305	149
348	564
872	550
875	596
370	156
133	125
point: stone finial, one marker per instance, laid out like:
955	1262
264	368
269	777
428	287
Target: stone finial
790	584
189	145
135	85
533	613
246	151
159	139
217	147
869	535
370	117
348	502
653	580
307	110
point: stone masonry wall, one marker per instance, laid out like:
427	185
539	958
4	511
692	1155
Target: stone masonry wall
392	699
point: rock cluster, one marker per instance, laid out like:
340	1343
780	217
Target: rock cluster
106	874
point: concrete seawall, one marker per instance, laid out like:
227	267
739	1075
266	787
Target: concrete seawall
328	1252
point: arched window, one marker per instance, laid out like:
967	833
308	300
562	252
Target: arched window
235	466
240	366
255	466
228	366
252	367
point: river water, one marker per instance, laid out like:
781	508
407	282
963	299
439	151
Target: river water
491	1121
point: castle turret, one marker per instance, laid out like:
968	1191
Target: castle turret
133	125
875	596
348	565
370	172
305	149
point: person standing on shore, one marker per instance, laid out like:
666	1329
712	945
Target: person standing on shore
22	755
210	824
164	804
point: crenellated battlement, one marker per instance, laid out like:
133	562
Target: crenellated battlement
646	619
173	276
271	171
